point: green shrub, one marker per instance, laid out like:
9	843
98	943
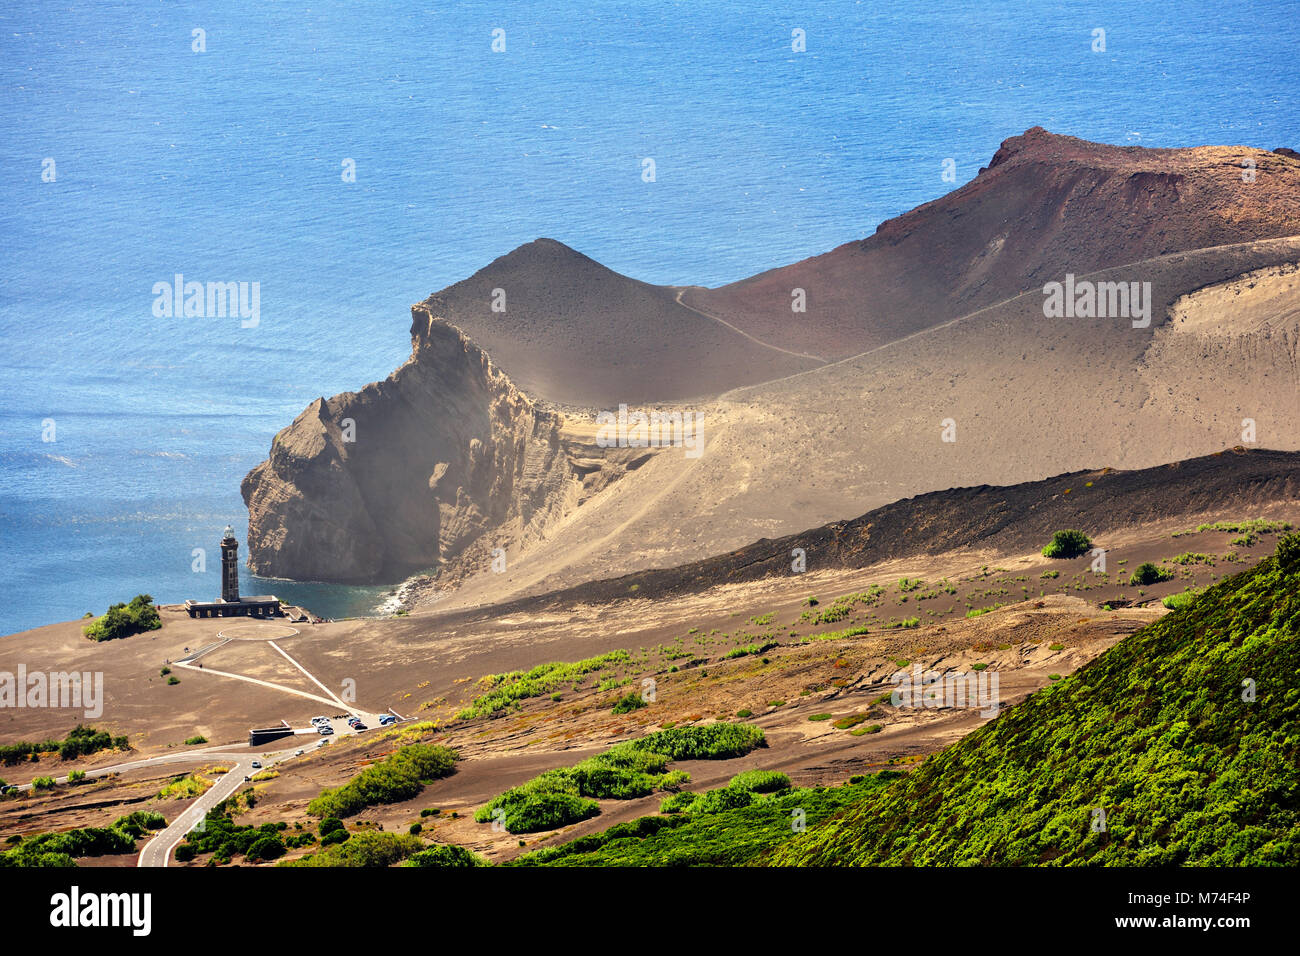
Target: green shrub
677	802
268	847
61	849
1148	573
43	783
1067	544
81	741
718	741
870	729
123	620
635	768
445	855
760	781
628	702
844	723
195	740
1181	600
507	690
724	798
399	777
363	850
547	811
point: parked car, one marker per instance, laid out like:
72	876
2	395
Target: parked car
317	721
324	729
385	719
358	726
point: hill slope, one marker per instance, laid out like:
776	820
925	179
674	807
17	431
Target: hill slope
1030	398
570	330
1046	205
1004	519
1155	732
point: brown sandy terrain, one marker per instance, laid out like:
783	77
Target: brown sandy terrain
429	671
577	333
1030	397
938	317
1046	205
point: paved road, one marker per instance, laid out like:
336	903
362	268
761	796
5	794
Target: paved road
158	850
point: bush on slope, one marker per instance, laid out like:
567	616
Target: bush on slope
1155	732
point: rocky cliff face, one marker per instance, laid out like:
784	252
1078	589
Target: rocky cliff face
408	473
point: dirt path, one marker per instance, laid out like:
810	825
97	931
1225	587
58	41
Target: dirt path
766	345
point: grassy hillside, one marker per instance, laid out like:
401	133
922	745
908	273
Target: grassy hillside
1158	732
719	834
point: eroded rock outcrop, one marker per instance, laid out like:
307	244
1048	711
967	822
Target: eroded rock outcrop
409	472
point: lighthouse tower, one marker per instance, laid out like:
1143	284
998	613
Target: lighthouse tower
230	603
229	566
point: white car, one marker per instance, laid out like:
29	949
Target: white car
324	729
317	721
299	753
322	743
257	765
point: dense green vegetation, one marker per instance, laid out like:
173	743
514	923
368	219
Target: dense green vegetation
400	776
364	850
60	849
715	833
505	691
1148	573
1176	602
636	768
565	795
629	702
1184	735
718	741
445	855
123	620
81	741
760	781
1067	544
225	839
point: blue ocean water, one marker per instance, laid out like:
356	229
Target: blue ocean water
227	165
